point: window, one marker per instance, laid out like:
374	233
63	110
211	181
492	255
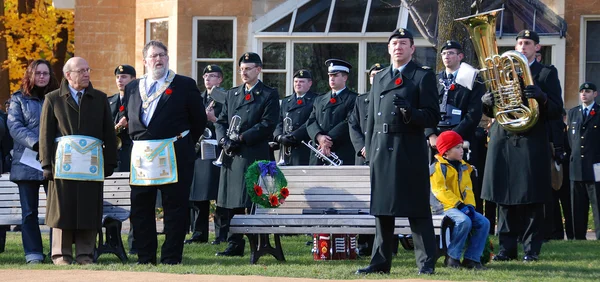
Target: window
312	56
592	55
213	43
158	29
274	66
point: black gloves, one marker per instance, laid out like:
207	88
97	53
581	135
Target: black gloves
287	140
488	99
402	104
229	145
534	92
36	147
48	174
108	171
559	155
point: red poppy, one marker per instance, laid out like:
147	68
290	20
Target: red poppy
121	108
168	91
285	192
258	190
592	113
247	97
299	102
273	200
452	87
398	81
332	100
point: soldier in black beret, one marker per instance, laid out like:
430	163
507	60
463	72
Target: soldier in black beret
403	102
526	158
118	102
257	107
327	125
295	110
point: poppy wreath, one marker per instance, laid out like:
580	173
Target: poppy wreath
268	196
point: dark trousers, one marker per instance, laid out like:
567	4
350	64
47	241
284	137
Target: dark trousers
583	194
520	221
201	210
221	224
562	202
423	238
29	195
234	240
124	154
175	202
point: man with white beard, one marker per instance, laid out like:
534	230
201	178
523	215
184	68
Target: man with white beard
166	116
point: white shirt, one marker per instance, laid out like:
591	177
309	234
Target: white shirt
148	112
74	93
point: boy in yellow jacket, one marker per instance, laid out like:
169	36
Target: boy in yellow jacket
451	185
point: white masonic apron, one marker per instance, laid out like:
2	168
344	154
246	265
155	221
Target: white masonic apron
79	157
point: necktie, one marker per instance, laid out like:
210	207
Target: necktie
396	72
333	94
79	95
451	77
585	112
152	89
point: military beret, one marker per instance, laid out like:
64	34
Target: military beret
125	69
212	68
529	34
587	85
303	74
376	67
451	44
400	33
249	58
337	65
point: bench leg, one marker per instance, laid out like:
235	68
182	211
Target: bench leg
445	236
261	245
113	243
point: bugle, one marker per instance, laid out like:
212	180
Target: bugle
285	150
233	133
333	161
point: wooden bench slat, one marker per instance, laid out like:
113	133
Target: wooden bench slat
316	229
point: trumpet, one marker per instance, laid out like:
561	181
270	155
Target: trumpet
285	150
333	161
118	130
233	133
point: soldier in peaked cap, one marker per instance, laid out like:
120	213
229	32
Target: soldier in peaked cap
327	125
118	103
297	107
403	101
526	158
257	106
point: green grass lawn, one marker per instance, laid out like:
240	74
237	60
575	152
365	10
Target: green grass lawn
560	261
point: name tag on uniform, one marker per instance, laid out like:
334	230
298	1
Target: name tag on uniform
79	157
456	112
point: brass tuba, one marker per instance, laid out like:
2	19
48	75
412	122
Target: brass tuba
501	74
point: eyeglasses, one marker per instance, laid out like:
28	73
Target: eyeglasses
246	69
448	53
42	73
156	56
210	76
82	71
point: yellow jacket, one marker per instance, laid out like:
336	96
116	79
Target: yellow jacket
451	188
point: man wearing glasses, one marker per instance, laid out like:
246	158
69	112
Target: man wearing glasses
77	150
256	106
166	117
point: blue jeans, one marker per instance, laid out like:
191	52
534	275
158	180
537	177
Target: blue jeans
462	228
30	232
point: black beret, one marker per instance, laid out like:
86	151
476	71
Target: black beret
587	85
250	58
400	33
212	68
376	67
451	44
337	65
303	74
529	34
125	69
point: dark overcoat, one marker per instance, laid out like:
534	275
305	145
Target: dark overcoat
396	147
584	138
259	111
118	109
358	126
75	204
299	111
205	185
517	168
332	119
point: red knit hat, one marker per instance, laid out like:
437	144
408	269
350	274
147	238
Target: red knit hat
447	140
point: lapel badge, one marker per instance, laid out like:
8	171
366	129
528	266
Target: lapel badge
235	94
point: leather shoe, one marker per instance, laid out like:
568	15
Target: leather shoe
530	257
372	269
503	256
467	263
232	251
426	271
217	242
197	240
452	262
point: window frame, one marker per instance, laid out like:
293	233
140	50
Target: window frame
194	54
155	20
582	44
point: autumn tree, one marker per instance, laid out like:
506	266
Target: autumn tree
33	29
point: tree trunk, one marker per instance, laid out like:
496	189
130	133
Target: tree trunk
25	6
4	79
60	52
448	29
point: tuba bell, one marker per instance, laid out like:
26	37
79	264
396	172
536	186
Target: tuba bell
503	74
118	130
233	133
285	150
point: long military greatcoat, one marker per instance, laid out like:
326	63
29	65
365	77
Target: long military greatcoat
517	168
332	119
205	185
259	111
124	152
396	147
298	110
75	204
358	126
